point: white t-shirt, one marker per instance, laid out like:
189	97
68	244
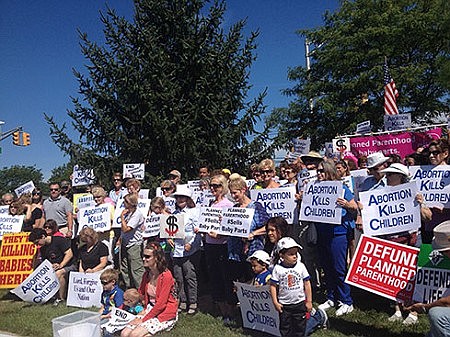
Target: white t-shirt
290	281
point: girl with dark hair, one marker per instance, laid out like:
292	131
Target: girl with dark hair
159	292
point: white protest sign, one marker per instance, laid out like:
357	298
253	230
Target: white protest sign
236	221
172	226
397	122
358	177
391	209
341	145
277	201
434	183
40	286
319	202
250	182
170	203
143	206
194	185
10	224
328	147
4	209
85	201
301	145
209	219
257	310
25	188
363	127
97	217
82	177
136	171
202	198
151	226
306	177
84	290
143	193
118	321
348	181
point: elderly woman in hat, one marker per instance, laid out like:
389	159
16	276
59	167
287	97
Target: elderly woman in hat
397	174
439	310
186	252
376	162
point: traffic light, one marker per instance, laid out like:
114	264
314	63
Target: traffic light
25	138
16	138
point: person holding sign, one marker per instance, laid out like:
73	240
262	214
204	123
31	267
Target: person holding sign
93	254
132	222
216	249
438	155
186	252
332	244
267	170
439	310
397	174
34	217
159	292
57	251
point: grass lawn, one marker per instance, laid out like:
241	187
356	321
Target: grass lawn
369	319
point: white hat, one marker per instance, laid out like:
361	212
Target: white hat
261	256
396	168
312	155
376	159
441	239
286	243
175	173
183	191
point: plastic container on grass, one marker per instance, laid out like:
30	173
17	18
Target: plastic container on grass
80	323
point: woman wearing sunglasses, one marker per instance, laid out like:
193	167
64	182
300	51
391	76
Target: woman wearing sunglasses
159	293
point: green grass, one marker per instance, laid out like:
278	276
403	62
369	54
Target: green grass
35	320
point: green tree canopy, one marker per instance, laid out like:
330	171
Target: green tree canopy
15	176
168	89
347	65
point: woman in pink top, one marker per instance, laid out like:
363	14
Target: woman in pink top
159	293
216	249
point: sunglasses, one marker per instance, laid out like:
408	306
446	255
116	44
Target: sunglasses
105	282
36	193
165	189
11	206
266	171
97	196
54	189
320	171
435	153
145	256
215	185
47	227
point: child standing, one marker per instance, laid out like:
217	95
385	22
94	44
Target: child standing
260	261
290	289
112	295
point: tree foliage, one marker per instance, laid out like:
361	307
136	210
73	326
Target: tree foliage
347	66
15	176
168	89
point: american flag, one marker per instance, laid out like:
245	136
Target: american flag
390	93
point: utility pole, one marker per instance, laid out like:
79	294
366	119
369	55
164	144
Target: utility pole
308	68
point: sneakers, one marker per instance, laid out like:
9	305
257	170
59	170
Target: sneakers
344	309
182	307
192	309
410	320
324	323
396	317
57	301
326	305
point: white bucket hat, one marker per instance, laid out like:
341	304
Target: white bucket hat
286	243
376	159
397	168
261	256
182	191
441	239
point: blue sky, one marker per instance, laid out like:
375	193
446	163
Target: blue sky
40	46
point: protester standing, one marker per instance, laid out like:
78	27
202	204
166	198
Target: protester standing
59	208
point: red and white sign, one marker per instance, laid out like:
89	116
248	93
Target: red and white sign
385	268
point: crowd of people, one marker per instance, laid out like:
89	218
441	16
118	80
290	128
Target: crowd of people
161	277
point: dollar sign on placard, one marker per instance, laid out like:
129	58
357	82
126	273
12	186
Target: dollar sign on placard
340	144
172	228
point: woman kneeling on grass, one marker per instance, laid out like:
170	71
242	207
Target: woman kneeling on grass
158	289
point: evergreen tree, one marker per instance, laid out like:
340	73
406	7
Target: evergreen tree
168	89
